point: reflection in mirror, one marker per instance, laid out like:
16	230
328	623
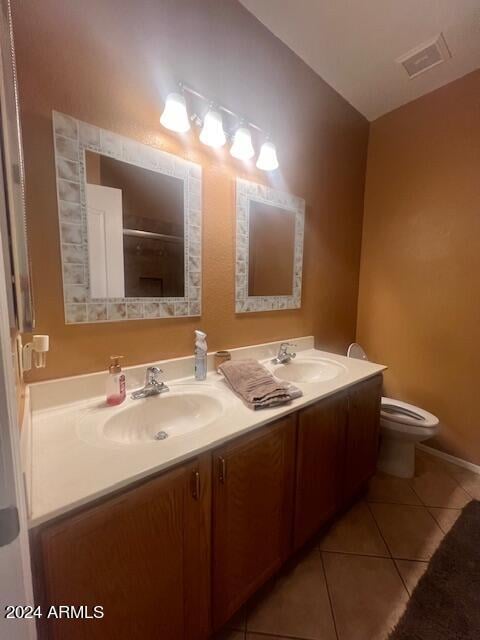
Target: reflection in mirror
271	250
135	225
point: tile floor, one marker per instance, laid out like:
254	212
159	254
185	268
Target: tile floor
356	580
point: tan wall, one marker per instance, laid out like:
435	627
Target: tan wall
112	63
419	304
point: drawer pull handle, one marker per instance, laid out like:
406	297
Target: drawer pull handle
222	469
196	485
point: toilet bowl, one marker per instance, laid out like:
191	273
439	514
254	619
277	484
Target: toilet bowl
402	425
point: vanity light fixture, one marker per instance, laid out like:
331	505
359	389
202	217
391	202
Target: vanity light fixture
212	133
267	159
175	116
242	147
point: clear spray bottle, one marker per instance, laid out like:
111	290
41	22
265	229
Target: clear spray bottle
200	355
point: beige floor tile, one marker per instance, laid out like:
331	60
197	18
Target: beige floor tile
385	488
445	518
355	532
411	572
439	489
469	481
296	604
368	596
426	461
410	532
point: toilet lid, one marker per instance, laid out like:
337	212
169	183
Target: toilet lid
404	413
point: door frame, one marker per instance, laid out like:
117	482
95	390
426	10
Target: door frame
16	555
15	316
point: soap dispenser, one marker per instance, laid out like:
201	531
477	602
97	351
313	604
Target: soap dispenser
115	387
200	355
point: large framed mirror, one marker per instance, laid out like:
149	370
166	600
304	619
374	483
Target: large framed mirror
269	248
130	226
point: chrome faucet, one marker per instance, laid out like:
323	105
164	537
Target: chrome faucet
153	386
284	355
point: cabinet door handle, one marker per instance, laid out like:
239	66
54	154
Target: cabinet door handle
196	485
222	469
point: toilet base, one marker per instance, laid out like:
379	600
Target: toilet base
397	457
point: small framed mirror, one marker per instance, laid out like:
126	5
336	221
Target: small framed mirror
269	248
130	227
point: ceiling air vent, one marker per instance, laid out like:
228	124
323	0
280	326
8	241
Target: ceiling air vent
425	56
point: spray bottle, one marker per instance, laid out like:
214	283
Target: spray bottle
200	355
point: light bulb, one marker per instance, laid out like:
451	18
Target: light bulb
175	116
267	159
242	147
212	133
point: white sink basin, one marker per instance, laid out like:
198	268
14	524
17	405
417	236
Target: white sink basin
309	370
180	411
160	417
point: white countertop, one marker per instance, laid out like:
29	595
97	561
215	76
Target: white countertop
69	470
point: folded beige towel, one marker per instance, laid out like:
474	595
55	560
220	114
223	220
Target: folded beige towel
257	387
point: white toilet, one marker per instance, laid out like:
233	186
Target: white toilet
402	425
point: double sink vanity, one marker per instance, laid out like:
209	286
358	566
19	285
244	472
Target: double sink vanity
170	511
172	534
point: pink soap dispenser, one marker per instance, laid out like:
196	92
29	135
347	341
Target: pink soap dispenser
115	389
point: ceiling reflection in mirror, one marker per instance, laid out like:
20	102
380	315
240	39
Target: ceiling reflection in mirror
271	250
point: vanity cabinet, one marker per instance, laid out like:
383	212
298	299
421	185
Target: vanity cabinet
176	556
363	433
337	447
321	441
253	481
144	556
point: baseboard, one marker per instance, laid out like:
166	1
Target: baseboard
453	459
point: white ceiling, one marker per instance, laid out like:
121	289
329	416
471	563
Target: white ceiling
353	44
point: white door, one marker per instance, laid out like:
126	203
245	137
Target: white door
15	577
105	241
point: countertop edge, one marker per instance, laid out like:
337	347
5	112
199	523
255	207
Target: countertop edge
124	483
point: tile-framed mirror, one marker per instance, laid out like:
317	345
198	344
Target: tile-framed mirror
130	220
269	248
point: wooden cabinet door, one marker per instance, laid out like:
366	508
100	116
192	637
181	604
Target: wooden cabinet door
252	513
320	465
144	556
362	435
